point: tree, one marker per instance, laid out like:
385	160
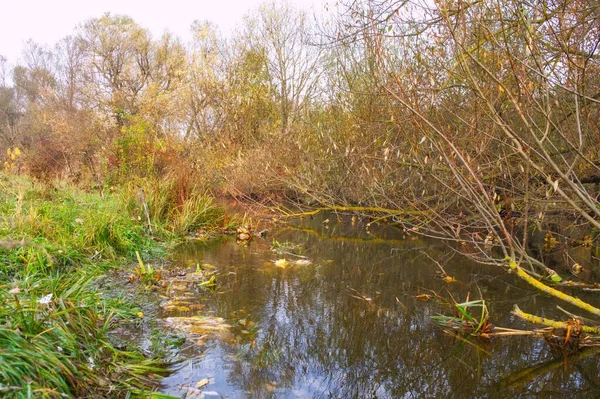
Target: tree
288	40
9	112
117	55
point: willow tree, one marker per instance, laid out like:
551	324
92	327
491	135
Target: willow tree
118	57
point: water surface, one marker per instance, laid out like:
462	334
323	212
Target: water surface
350	325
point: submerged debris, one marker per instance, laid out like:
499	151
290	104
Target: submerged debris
181	305
570	336
243	233
200	328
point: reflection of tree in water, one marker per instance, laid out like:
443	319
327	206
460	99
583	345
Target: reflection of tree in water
316	340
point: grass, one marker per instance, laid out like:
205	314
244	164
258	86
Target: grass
466	322
168	209
55	241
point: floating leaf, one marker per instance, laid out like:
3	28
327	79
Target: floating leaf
270	387
449	279
202	383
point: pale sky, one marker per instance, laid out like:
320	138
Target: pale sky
48	21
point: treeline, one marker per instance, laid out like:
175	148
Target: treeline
110	102
480	116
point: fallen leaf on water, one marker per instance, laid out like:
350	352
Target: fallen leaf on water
449	279
270	387
202	383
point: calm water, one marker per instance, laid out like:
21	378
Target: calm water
350	326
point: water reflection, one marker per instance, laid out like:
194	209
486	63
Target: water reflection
350	325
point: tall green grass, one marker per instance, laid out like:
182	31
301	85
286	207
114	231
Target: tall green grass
54	242
167	208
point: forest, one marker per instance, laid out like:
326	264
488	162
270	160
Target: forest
475	123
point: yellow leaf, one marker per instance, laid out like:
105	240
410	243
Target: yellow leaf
202	383
270	387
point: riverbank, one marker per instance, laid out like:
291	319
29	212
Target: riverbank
55	241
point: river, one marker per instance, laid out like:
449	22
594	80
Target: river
356	321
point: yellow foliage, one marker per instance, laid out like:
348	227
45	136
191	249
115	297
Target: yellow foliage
12	155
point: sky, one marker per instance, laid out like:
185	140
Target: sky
48	21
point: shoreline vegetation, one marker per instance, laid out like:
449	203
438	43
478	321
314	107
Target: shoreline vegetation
476	124
57	240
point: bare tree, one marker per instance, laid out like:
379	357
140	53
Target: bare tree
288	39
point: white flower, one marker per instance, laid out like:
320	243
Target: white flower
45	299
